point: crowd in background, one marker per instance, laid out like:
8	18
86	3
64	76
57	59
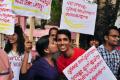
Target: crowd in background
54	52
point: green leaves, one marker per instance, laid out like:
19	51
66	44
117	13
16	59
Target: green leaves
55	13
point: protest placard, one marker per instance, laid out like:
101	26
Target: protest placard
37	8
78	16
117	23
89	66
7	19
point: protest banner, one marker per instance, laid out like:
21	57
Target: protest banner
7	19
78	16
38	8
89	66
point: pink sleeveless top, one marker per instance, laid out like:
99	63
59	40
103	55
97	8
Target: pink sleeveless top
4	64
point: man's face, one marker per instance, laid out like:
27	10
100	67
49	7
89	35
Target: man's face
73	42
53	34
63	42
113	38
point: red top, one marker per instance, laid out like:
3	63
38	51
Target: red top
63	62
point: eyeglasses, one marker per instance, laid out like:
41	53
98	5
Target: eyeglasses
115	36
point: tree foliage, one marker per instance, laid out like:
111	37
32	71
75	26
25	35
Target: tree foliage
55	13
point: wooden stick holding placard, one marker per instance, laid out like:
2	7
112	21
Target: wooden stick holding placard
32	27
0	40
2	43
77	39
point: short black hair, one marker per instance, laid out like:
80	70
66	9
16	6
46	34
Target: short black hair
65	32
91	37
108	29
42	44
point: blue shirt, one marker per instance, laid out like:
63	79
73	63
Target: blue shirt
41	70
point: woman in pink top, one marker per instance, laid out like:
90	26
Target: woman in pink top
5	72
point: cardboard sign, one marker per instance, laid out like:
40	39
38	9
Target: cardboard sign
7	19
37	8
78	16
89	66
117	23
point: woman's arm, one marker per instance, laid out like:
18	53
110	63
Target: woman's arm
25	65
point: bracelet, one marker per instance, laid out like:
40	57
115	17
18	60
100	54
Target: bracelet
5	73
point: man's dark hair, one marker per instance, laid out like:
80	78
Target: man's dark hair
53	28
42	44
107	30
65	32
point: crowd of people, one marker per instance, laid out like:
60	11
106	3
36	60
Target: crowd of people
55	53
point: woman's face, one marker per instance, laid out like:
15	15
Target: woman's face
52	47
94	43
13	38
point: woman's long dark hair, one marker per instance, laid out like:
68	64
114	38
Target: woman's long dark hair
20	41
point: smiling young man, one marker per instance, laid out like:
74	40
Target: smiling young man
68	54
108	49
